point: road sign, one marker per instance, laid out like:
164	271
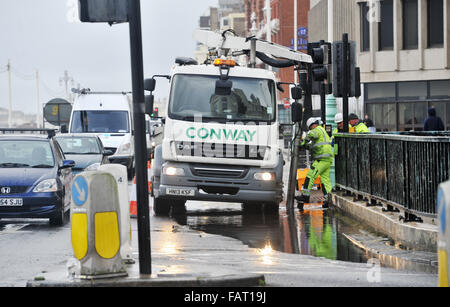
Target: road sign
287	104
80	191
57	112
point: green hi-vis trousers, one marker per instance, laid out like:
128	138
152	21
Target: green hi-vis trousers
322	168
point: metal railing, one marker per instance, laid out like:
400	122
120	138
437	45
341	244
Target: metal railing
401	169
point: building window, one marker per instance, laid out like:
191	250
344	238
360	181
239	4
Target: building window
440	88
448	116
410	24
378	91
383	115
386	26
435	23
412	116
412	90
365	27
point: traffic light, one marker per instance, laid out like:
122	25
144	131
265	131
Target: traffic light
110	11
321	69
155	112
339	61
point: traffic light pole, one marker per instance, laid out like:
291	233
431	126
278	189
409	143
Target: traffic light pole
345	81
137	72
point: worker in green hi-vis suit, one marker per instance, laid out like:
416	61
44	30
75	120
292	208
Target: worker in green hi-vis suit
319	143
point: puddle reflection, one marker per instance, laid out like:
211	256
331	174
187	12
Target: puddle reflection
313	232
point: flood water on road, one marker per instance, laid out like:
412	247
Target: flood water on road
313	232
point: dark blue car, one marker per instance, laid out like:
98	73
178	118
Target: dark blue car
35	178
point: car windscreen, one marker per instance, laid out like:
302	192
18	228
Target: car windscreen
100	122
193	96
78	145
18	154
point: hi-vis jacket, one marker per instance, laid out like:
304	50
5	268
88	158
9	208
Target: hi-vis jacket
321	143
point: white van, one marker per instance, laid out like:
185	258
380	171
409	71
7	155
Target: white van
110	116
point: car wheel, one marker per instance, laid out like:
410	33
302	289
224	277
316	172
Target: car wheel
59	219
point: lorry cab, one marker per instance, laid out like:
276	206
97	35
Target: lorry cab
219	146
109	116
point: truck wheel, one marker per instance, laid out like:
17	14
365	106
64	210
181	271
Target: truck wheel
178	207
161	207
271	208
251	208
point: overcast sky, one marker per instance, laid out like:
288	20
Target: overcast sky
38	35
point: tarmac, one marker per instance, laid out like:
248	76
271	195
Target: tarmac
180	257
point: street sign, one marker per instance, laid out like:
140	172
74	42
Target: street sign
287	104
80	191
57	112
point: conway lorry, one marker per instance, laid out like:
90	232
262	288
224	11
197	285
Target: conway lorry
221	132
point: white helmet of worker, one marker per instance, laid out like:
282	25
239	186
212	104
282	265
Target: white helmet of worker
339	118
312	120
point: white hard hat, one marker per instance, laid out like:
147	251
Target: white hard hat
339	118
311	121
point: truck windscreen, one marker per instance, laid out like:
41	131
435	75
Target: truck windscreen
100	122
193	98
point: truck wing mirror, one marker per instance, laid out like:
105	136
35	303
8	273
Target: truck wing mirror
150	84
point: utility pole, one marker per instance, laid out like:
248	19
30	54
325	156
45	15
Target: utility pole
66	79
38	103
9	96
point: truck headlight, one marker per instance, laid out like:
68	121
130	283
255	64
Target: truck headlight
173	171
124	149
48	185
266	176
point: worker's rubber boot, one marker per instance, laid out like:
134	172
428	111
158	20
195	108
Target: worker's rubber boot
302	199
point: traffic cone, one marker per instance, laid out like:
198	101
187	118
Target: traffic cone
133	200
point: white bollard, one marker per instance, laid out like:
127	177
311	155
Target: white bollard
95	231
120	174
443	210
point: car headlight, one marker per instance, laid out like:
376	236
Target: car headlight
173	171
266	176
124	148
48	185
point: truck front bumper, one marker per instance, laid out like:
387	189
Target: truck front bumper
221	183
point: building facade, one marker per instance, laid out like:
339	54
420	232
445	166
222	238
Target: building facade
403	49
282	27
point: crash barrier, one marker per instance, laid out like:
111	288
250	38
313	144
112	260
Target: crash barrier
120	174
443	208
401	169
96	225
